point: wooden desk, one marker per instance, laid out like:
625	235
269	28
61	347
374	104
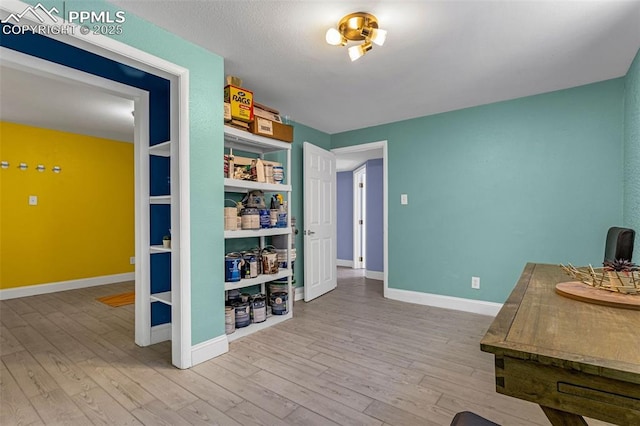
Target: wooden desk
572	358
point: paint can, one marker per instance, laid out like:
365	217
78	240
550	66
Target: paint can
232	267
250	218
282	220
250	265
258	308
243	315
269	262
279	303
268	173
265	219
278	174
229	320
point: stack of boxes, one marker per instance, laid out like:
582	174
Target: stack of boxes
241	111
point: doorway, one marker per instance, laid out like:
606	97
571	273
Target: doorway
349	159
132	64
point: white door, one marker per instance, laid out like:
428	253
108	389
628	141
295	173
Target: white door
320	242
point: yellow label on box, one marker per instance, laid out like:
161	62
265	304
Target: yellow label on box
241	101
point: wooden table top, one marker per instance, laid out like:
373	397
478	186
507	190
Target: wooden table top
540	325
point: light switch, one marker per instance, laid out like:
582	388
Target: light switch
404	199
33	200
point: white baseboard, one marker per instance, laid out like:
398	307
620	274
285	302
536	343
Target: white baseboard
208	350
34	290
374	275
298	293
160	333
342	262
447	302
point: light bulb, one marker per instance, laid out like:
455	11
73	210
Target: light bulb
356	52
378	36
334	37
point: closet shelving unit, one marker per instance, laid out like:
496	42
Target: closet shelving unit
239	140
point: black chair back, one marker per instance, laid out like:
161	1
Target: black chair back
619	244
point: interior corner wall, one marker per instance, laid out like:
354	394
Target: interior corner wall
344	204
374	224
83	223
535	179
632	152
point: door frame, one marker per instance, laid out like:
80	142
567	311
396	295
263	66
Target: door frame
179	116
359	212
385	196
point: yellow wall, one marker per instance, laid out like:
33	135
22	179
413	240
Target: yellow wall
83	225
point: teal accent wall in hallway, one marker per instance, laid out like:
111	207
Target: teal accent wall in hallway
632	152
536	179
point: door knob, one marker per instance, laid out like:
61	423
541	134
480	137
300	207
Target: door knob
310	232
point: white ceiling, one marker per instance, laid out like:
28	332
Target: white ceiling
348	161
38	101
439	56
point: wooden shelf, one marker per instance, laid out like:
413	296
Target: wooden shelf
164	297
245	141
272	320
161	150
248	233
263	278
237	185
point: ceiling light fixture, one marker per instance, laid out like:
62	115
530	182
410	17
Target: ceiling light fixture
357	26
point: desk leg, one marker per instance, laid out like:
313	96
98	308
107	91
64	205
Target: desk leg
562	418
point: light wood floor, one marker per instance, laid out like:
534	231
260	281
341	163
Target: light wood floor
348	358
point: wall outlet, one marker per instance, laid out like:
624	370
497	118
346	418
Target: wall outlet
404	199
33	200
132	260
475	282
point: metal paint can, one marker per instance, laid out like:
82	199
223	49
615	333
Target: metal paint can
232	267
279	303
229	320
243	315
278	174
258	308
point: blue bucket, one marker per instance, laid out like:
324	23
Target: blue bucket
243	314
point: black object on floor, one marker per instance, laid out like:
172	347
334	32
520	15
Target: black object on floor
619	244
467	418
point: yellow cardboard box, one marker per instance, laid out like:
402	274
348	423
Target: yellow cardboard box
241	101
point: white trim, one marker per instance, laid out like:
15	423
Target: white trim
178	76
447	302
374	275
359	176
343	262
160	333
385	196
298	293
209	349
34	290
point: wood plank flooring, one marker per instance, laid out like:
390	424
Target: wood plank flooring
350	357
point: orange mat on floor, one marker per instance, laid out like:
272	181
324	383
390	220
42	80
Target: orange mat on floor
118	299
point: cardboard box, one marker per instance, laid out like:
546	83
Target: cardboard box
227	112
241	101
271	129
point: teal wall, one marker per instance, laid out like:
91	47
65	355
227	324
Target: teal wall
206	78
536	179
632	152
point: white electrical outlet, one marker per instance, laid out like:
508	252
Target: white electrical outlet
404	199
132	260
33	200
475	282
